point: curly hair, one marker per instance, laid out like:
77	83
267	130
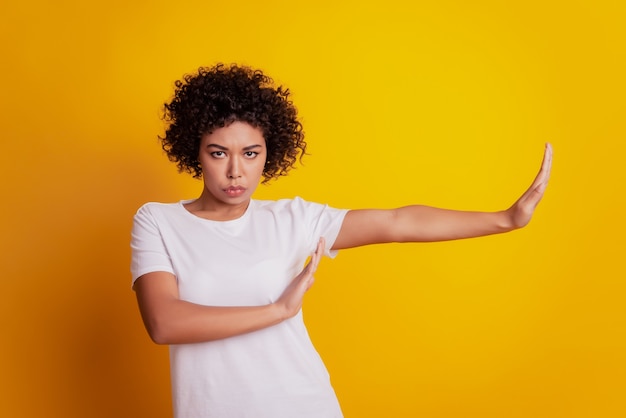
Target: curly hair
220	95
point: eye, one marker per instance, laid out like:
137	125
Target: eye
218	154
250	154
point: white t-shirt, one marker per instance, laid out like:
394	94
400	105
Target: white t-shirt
271	373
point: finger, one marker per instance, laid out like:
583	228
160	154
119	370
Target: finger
317	254
541	182
320	246
313	262
546	165
310	283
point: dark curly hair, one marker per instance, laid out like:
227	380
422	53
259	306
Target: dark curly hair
220	95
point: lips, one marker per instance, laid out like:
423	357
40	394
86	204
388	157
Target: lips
235	191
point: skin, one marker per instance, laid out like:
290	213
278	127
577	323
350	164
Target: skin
232	160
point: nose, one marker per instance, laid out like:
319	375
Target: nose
234	168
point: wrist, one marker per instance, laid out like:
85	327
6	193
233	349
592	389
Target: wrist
277	312
505	221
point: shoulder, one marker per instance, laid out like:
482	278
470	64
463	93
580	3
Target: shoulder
153	211
156	207
302	212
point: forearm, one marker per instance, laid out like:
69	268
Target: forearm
182	322
170	320
425	224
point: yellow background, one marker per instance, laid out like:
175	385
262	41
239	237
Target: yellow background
443	103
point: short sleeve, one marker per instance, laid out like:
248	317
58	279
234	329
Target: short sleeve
148	252
322	221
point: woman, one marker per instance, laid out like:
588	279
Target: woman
219	278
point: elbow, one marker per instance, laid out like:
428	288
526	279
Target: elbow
159	332
159	338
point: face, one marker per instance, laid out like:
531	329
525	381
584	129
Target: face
232	159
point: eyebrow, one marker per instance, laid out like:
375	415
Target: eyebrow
223	148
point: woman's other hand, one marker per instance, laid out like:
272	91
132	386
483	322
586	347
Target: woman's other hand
290	301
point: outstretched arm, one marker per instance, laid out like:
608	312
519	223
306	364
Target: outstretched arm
424	223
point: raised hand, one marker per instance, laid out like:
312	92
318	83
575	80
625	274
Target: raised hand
291	299
522	210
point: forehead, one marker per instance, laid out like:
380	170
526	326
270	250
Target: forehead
236	134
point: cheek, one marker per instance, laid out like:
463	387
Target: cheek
258	164
209	173
265	162
261	168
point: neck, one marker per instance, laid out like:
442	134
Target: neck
207	207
